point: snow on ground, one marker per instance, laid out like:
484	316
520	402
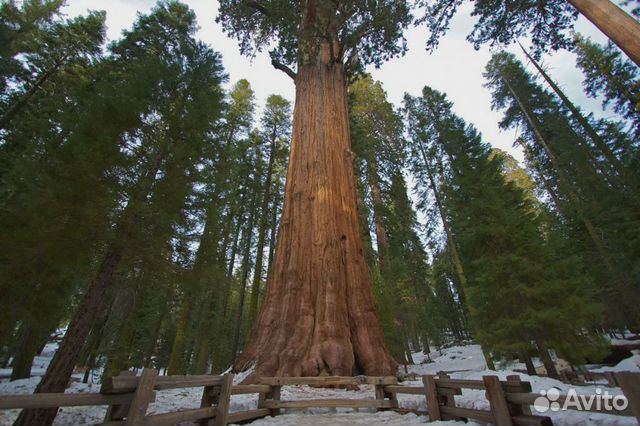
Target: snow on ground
467	362
463	362
40	362
629	364
180	399
455	358
347	419
628	339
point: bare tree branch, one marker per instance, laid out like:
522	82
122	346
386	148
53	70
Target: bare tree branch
285	69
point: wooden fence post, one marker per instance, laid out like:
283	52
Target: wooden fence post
516	386
381	395
275	395
497	401
433	402
141	397
611	379
210	397
262	397
630	385
118	411
379	389
222	411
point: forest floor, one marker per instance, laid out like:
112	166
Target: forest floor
464	362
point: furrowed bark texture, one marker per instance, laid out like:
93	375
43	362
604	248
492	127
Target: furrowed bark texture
318	316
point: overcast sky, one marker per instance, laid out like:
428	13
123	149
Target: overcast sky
455	68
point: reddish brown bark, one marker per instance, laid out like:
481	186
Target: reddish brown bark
61	367
614	22
318	316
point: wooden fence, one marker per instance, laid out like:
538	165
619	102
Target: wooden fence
128	398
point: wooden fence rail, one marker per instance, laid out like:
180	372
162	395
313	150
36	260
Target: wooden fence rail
128	398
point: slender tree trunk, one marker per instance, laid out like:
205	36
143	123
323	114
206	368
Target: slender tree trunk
273	232
614	22
120	358
614	162
8	115
445	223
209	320
246	266
488	359
415	340
564	181
234	249
453	247
28	343
425	343
90	364
176	359
318	315
381	232
549	365
262	232
526	359
151	347
209	252
363	221
93	344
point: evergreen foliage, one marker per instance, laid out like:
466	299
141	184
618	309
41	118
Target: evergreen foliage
521	290
600	212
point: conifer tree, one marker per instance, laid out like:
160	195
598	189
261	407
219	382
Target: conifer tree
223	207
41	50
172	89
503	247
608	75
400	271
276	127
603	217
547	21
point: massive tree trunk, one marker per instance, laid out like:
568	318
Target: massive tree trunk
318	316
614	22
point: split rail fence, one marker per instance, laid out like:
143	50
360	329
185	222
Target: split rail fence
128	398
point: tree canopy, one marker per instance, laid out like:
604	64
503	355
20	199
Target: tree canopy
360	34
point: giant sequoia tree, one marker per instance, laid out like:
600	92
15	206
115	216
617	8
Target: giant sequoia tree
318	315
